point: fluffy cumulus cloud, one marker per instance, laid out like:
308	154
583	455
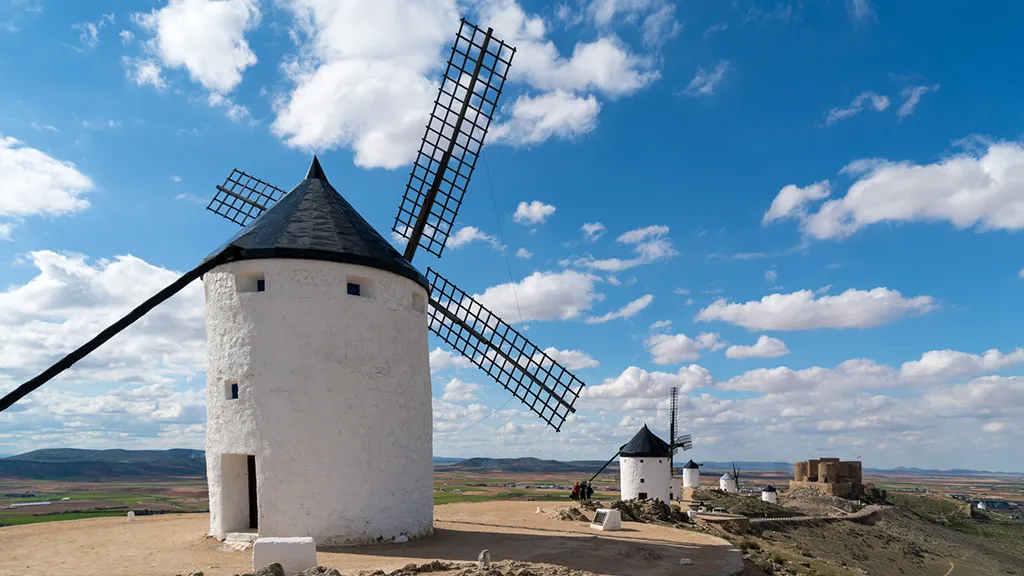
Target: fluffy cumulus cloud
37	184
649	244
444	360
676	348
206	38
571	359
627	311
68	301
557	114
637	383
806	310
524	253
458	391
592	231
469	234
363	77
765	347
980	187
543	296
535	212
877	102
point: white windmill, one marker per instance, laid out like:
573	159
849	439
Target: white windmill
318	379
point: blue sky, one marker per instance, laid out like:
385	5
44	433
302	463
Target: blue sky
841	181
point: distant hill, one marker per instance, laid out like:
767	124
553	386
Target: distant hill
93	471
115	455
521	465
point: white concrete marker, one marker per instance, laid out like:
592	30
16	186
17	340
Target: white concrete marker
293	554
607	520
685	561
401	539
131	516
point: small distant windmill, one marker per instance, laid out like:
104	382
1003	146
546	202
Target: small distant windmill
318	357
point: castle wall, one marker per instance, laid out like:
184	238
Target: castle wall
334	401
839	489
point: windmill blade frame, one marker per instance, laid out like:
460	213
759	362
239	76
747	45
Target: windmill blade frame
466	103
530	374
243	198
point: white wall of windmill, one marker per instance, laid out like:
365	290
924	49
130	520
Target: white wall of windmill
769	497
333	400
691	477
644	475
727	483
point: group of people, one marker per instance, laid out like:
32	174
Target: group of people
582	491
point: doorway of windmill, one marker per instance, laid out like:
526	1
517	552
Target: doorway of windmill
238	502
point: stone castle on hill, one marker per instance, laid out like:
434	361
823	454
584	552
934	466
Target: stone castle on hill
831	477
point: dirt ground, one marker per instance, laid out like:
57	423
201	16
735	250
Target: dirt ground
175	545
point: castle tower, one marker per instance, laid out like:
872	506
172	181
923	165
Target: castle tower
644	467
691	475
318	378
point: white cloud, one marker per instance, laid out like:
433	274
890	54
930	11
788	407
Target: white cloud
445	360
661	324
458	391
792	201
235	111
953	363
205	37
176	179
6	230
571	359
860	10
714	29
765	347
993	427
661	25
468	234
144	71
676	348
981	187
542	296
536	212
524	253
36	184
627	311
681	291
70	300
89	32
46	127
560	114
804	310
650	243
704	82
636	382
592	231
912	97
127	37
363	77
877	101
771	275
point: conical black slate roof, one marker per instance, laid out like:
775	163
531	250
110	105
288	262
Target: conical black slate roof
691	465
769	488
314	222
645	443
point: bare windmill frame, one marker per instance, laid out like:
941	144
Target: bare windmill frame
454	136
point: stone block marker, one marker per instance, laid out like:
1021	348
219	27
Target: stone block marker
293	554
607	520
131	516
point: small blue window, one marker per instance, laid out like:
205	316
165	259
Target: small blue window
261	285
353	289
234	388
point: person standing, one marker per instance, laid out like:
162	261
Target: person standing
576	491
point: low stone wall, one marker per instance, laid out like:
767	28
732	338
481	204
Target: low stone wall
827	488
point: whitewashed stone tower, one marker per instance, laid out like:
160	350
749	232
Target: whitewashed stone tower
318	378
644	470
691	475
728	483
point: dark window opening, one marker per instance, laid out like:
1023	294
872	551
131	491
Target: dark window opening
234	391
642	496
353	289
641	480
261	285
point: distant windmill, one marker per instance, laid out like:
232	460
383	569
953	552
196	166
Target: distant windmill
318	376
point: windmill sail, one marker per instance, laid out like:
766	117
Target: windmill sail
522	368
462	113
242	198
